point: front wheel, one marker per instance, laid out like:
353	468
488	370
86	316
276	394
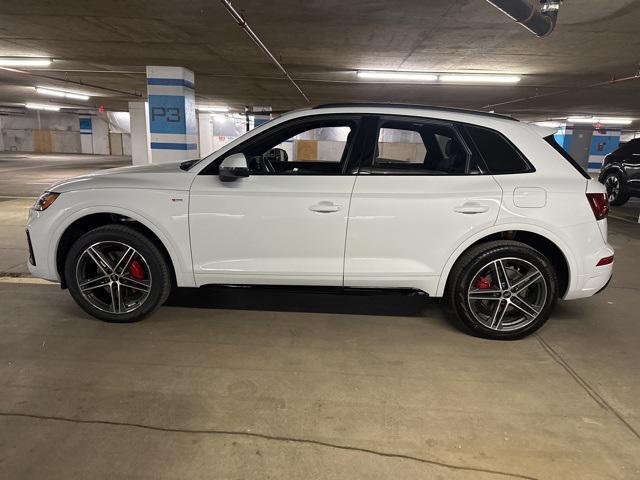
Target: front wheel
616	191
117	274
503	289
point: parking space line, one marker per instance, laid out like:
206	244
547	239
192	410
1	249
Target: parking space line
25	280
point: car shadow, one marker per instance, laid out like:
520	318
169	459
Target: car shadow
303	300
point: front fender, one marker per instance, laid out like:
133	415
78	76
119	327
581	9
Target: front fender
615	167
158	211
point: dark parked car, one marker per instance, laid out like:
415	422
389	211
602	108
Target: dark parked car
620	173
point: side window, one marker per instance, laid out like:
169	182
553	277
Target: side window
318	148
498	154
417	148
631	149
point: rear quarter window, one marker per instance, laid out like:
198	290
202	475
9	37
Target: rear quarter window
558	148
499	155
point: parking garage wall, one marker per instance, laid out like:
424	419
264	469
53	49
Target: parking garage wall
41	132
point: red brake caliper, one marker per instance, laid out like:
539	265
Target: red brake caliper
136	270
483	282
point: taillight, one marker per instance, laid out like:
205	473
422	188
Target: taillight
599	204
605	261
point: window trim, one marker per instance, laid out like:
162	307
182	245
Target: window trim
351	155
366	165
530	167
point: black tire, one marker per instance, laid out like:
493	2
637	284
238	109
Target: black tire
622	196
154	267
468	269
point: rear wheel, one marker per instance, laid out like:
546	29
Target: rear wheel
116	274
503	289
616	191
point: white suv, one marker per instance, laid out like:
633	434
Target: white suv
479	208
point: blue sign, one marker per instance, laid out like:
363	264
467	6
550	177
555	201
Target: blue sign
85	123
167	114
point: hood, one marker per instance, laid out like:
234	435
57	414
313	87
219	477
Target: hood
165	176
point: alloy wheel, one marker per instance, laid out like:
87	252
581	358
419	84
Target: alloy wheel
507	294
113	277
612	183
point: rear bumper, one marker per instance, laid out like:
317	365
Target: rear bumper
595	280
605	285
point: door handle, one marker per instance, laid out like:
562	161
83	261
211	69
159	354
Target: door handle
471	208
325	207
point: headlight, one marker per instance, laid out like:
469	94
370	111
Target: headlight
45	201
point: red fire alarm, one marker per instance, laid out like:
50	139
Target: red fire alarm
101	108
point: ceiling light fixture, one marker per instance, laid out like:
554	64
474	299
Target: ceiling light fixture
463	78
212	108
24	62
61	93
603	120
548	123
38	106
478	78
399	76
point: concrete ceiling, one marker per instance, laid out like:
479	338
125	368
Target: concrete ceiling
105	45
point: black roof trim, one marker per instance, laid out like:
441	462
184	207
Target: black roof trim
415	106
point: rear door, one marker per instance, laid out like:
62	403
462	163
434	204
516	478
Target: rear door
419	194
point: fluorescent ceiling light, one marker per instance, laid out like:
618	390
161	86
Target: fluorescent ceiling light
213	108
602	120
548	123
581	119
433	77
478	78
402	76
24	62
38	106
61	93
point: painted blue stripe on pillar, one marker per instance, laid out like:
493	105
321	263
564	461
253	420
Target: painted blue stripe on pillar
174	82
173	146
595	165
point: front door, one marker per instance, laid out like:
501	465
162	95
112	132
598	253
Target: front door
285	223
422	194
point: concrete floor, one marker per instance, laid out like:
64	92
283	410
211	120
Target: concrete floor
28	174
259	384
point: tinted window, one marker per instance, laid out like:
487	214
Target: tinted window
498	154
552	141
629	148
416	148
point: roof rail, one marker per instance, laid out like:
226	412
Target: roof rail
415	106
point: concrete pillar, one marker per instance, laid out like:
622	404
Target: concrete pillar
86	135
140	150
1	137
100	135
205	134
603	142
172	114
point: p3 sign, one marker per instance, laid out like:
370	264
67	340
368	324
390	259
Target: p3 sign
167	114
171	114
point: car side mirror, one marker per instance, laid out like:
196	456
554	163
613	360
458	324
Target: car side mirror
233	167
